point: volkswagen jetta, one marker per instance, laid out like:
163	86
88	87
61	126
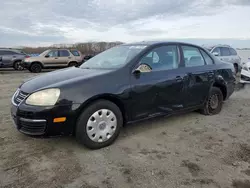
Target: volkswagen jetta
121	85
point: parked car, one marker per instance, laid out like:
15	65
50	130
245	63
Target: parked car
87	57
228	54
245	72
11	58
124	84
53	59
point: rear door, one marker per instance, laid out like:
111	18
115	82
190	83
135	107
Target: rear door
234	56
226	55
7	57
199	69
64	57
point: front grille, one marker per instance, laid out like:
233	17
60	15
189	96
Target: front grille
19	96
25	114
32	128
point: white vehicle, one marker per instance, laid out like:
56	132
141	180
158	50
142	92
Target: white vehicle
226	53
245	72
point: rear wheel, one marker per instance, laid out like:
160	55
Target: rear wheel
35	67
99	124
72	64
17	65
213	105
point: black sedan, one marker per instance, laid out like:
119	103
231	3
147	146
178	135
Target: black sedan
121	85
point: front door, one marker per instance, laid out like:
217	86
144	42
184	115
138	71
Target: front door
199	68
51	59
158	88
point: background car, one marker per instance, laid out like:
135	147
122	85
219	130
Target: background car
245	72
12	58
53	58
226	53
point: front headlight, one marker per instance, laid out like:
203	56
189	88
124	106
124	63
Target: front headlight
47	97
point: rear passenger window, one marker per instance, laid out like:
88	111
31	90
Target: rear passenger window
64	53
225	51
192	56
217	50
232	51
208	59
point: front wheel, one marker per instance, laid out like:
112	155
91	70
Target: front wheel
17	65
213	104
36	68
99	124
72	64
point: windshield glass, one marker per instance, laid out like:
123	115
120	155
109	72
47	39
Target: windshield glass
113	58
44	53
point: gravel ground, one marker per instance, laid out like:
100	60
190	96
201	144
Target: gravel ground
189	150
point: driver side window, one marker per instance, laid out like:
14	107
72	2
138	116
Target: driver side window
162	58
53	53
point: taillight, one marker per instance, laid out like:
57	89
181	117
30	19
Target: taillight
27	56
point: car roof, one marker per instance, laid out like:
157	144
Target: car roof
149	43
218	45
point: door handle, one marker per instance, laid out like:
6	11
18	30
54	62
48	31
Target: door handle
179	79
56	58
14	56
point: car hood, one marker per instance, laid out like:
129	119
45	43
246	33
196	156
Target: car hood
59	77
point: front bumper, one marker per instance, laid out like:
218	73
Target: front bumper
33	120
245	76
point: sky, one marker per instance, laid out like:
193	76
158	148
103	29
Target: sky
46	22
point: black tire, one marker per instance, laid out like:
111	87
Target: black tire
81	125
35	67
17	65
73	64
209	107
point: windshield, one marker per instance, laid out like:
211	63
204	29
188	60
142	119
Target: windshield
44	53
113	58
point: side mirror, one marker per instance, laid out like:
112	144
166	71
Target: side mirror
137	71
46	56
215	53
142	68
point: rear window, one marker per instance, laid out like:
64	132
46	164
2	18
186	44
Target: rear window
8	52
225	51
75	52
232	51
64	53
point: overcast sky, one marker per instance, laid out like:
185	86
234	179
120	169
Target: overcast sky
44	22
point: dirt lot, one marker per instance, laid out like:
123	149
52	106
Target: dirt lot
190	150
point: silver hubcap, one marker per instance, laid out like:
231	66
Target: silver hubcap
214	101
101	125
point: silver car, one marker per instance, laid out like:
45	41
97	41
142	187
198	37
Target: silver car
53	58
11	58
226	53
